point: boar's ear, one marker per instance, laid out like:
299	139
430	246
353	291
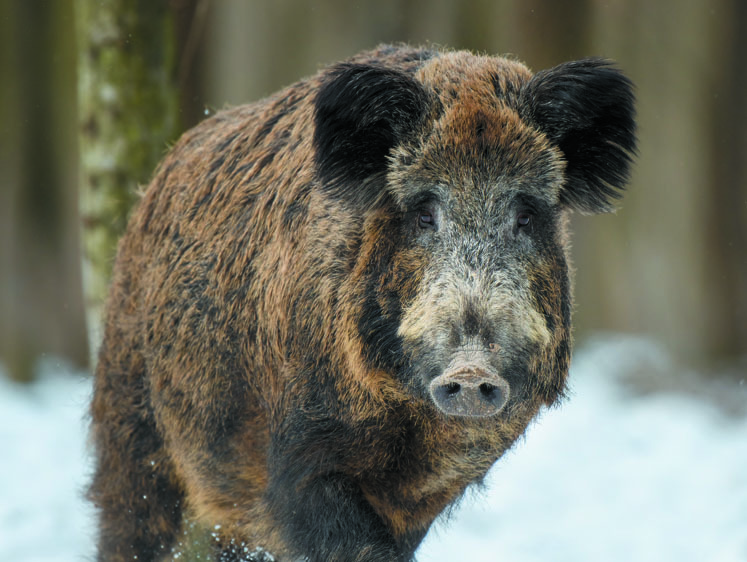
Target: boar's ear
361	112
586	107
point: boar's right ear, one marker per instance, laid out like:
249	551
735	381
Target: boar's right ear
361	112
586	108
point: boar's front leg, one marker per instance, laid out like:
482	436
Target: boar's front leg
327	519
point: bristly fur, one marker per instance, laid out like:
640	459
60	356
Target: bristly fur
302	269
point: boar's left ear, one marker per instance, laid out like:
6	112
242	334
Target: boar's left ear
586	107
361	112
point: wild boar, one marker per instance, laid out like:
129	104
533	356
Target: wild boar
334	309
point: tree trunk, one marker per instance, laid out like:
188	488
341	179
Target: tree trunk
128	112
726	215
41	310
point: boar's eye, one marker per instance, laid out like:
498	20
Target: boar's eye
523	219
426	219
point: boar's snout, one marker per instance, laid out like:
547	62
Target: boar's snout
469	391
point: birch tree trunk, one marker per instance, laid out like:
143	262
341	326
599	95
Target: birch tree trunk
128	112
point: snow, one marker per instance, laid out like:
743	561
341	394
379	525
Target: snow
615	473
44	468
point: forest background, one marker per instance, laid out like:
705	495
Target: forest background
671	265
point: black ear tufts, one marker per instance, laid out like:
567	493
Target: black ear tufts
361	112
587	108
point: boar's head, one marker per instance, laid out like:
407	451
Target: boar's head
462	173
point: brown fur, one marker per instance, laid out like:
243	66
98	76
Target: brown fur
236	368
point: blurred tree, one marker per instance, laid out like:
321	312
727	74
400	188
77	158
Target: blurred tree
128	112
192	18
674	257
40	299
726	215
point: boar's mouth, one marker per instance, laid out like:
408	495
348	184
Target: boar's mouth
470	391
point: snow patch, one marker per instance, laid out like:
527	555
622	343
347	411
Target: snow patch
612	474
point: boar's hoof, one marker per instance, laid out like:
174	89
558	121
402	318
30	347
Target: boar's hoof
469	392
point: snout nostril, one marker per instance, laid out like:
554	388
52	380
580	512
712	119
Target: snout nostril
487	390
453	388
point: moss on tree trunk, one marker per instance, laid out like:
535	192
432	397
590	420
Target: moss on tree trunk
128	113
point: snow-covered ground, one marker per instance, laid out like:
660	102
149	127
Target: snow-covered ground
614	474
44	466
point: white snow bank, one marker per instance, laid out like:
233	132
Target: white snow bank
610	475
45	467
